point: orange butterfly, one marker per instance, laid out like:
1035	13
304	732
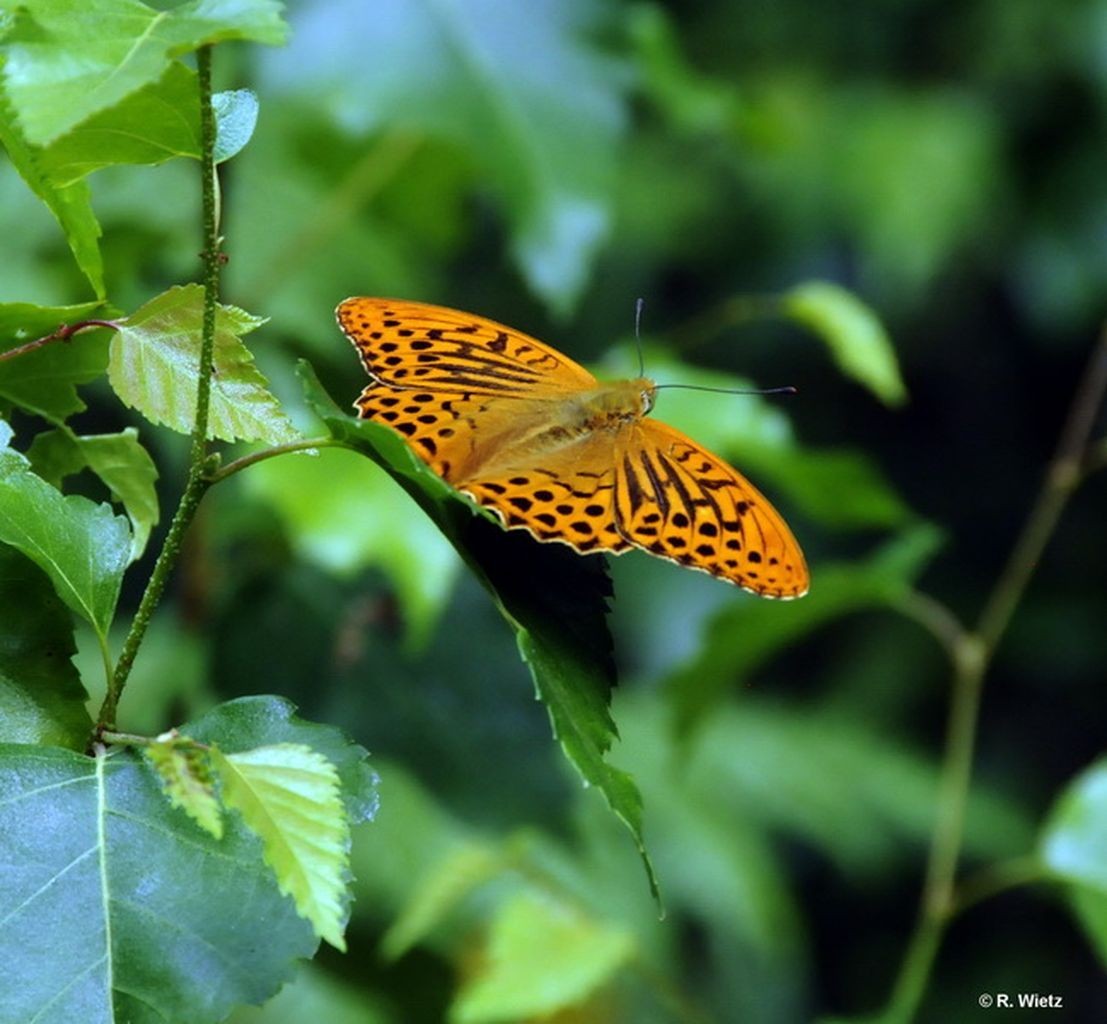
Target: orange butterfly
526	432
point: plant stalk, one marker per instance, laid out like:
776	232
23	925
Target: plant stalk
197	483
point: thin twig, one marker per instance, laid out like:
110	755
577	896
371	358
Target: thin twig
63	333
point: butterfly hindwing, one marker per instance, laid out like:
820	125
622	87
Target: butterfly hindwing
677	500
416	345
560	497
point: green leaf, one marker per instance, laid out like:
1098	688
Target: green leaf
1073	845
21	322
44	381
316	994
559	625
236	116
154	124
41	697
70	204
530	102
249	722
744	634
365	521
130	911
289	795
154	366
1075	835
852	332
186	774
69	61
83	547
119	460
542	957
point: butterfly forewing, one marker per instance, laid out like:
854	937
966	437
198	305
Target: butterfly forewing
415	345
677	500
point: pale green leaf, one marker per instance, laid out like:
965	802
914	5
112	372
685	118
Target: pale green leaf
543	956
158	122
154	367
83	547
119	460
289	795
186	775
1074	841
66	61
853	333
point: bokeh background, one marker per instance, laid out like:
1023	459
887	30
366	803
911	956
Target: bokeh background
545	164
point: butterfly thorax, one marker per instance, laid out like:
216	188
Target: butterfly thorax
611	405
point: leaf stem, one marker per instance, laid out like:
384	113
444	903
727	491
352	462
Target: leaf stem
971	655
268	453
197	482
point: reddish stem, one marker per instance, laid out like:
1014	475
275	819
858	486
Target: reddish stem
63	333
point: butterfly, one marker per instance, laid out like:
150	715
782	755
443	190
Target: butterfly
524	431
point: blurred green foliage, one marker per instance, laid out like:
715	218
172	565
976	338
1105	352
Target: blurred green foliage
901	209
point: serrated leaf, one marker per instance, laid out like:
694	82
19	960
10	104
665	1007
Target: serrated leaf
118	907
70	204
289	795
853	333
41	697
119	460
154	124
83	547
560	627
154	364
543	957
250	722
236	116
66	62
186	775
534	105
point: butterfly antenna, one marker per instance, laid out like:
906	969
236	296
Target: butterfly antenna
639	304
787	389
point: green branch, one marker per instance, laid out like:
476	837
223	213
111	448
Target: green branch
197	482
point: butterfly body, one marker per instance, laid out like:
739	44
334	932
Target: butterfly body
529	434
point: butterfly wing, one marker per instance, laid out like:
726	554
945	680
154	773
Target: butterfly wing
566	495
413	345
678	501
